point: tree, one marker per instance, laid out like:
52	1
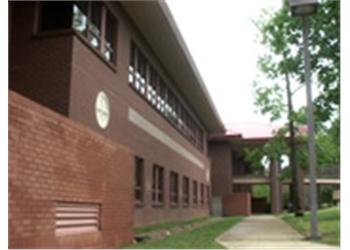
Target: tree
282	35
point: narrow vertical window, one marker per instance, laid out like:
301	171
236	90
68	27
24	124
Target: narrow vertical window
174	189
152	87
202	194
158	185
138	181
80	17
195	193
141	73
94	32
186	191
132	65
109	45
162	97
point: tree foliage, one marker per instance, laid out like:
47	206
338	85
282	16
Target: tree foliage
281	34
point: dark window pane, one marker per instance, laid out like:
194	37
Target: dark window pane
138	179
157	185
94	35
56	15
174	188
96	14
109	50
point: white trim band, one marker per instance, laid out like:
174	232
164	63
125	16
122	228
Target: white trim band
155	132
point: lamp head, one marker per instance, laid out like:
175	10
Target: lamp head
303	7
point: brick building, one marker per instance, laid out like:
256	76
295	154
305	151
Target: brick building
108	123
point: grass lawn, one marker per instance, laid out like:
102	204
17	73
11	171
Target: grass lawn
202	237
169	225
328	224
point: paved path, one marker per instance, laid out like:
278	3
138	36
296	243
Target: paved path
266	232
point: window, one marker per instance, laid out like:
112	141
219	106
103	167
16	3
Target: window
147	81
174	189
94	27
80	17
185	191
109	45
158	185
97	24
138	181
195	193
202	194
141	69
132	65
92	19
55	15
152	87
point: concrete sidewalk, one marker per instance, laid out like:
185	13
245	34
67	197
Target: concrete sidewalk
266	232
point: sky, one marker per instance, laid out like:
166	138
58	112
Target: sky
224	44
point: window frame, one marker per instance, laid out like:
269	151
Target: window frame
201	194
157	186
174	189
164	99
39	33
105	10
194	193
186	194
139	188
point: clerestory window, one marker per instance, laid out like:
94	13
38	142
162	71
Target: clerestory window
92	19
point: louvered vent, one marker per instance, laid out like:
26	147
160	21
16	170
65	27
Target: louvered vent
72	218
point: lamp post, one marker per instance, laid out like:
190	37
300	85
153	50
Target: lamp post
304	8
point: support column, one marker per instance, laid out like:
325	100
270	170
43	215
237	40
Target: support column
276	188
318	188
301	188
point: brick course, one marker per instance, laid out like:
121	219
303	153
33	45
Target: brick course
52	158
60	71
237	204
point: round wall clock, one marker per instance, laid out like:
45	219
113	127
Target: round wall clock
102	109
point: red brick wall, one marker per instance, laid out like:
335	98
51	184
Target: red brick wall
221	170
237	204
62	72
91	75
52	158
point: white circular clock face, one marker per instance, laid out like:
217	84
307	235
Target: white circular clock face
102	109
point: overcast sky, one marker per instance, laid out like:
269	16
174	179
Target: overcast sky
223	42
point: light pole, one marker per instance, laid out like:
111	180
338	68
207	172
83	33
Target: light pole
304	8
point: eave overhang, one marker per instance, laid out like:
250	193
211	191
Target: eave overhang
156	24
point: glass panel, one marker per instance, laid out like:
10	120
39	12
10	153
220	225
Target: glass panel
56	15
95	24
80	19
109	37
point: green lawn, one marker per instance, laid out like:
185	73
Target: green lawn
202	237
169	225
328	224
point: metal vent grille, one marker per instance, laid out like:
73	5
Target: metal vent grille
72	218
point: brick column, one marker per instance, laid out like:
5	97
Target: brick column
276	188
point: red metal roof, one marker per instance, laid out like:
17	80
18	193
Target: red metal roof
256	130
252	130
